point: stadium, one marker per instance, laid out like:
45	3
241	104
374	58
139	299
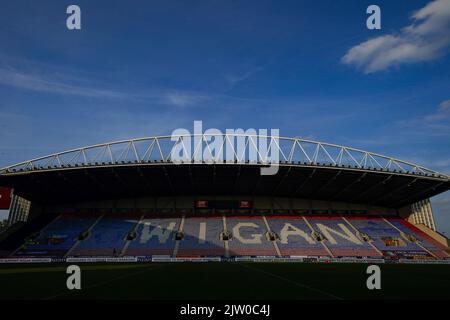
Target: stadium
131	202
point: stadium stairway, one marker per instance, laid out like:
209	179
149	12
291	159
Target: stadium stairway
424	241
388	239
437	236
249	237
132	232
201	237
58	237
230	236
155	236
341	238
15	235
295	237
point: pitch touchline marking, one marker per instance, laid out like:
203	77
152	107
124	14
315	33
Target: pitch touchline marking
58	269
294	282
32	270
99	284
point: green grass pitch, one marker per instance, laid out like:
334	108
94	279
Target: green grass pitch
231	280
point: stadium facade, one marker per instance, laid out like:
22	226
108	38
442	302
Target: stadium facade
133	198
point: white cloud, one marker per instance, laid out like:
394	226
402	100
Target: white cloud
433	120
51	83
442	163
434	124
58	83
235	78
184	99
427	38
442	113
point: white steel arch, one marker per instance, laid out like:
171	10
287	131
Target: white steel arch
159	149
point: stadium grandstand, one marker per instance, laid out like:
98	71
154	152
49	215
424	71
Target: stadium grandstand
131	199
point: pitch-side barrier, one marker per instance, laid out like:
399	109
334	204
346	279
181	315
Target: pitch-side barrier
141	259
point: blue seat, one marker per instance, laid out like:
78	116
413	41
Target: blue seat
249	237
155	236
341	238
202	237
59	236
295	237
384	237
426	241
106	238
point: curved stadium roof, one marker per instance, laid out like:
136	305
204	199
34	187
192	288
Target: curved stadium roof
145	166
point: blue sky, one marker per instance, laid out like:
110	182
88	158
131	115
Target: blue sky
310	68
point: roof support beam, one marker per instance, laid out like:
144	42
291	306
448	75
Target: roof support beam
328	182
255	187
236	179
169	181
368	190
118	178
304	182
282	180
415	195
389	194
90	177
359	179
144	179
191	180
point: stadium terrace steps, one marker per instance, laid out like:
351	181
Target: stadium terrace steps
435	235
249	237
155	236
85	233
14	239
425	240
295	237
180	232
389	240
275	245
106	237
256	235
369	241
128	242
341	239
57	237
201	237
